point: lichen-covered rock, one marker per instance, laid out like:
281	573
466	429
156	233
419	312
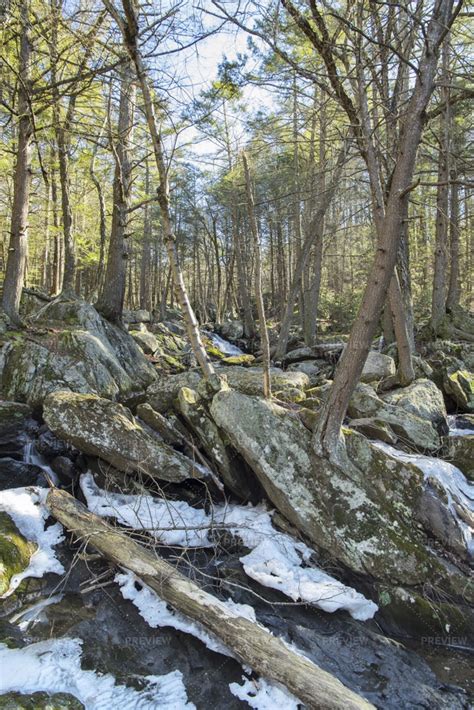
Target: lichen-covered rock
377	367
15	551
147	341
362	510
459	384
72	347
315	369
409	428
39	701
139	316
106	429
374	428
423	399
249	380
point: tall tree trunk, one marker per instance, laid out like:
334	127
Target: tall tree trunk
129	28
351	364
454	290
18	244
314	235
438	300
265	344
112	296
102	214
145	262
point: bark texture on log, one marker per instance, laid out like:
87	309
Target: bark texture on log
251	643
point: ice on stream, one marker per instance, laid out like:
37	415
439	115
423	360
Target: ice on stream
455	430
26	508
54	666
275	559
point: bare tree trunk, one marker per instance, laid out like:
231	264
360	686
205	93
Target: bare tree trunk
145	262
438	301
353	358
314	235
265	344
129	28
102	213
454	290
18	244
111	299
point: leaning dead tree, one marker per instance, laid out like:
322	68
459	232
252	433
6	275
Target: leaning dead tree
250	642
128	25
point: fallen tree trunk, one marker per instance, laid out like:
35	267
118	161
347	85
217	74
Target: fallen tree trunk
251	643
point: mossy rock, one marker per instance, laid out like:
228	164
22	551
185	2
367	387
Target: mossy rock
291	395
426	619
15	551
244	359
39	701
461	454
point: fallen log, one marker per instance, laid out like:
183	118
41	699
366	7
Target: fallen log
250	642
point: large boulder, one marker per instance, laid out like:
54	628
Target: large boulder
108	430
70	346
377	367
163	392
409	428
423	399
362	510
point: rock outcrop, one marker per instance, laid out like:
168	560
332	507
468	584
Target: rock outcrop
363	511
108	430
70	346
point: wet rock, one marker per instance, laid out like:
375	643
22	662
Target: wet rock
377	367
15	551
73	347
231	329
17	474
409	428
423	399
106	429
47	444
461	454
14	421
243	359
64	468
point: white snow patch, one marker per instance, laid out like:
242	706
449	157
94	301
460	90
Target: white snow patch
157	613
54	666
456	486
26	508
276	559
262	694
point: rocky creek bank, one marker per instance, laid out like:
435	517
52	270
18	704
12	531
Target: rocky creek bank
365	565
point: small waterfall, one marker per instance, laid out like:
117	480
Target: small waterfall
32	457
223	345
